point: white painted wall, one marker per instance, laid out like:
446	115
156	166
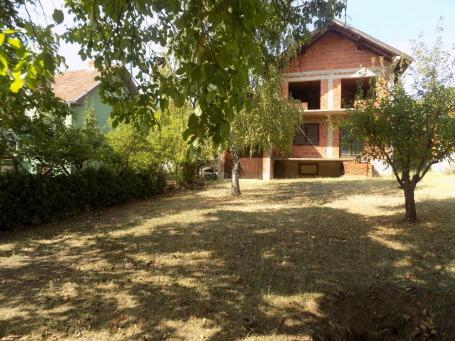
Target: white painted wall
380	168
444	167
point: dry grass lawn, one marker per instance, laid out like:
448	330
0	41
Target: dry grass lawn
289	260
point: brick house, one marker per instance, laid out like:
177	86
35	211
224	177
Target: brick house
324	78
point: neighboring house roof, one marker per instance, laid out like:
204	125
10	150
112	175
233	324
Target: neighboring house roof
73	86
361	38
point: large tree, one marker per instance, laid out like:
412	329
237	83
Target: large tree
271	122
410	128
28	62
216	47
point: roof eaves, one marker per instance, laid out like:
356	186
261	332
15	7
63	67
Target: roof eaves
392	50
77	99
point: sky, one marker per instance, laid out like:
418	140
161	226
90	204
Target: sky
395	22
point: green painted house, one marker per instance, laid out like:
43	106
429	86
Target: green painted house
81	91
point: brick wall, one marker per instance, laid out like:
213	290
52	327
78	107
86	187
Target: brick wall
332	51
324	94
353	167
313	151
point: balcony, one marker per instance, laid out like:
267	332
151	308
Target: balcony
308	93
354	89
302	106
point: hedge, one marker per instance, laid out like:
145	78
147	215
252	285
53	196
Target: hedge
27	199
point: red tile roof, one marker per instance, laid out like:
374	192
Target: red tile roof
72	86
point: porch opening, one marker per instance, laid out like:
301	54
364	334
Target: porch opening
355	88
309	93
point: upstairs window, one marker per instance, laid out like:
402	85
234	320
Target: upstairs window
307	92
354	88
307	135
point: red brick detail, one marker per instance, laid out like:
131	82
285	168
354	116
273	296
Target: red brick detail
332	51
358	168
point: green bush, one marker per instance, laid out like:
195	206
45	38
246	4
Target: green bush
30	199
185	172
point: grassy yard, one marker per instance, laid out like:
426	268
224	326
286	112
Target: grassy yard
289	260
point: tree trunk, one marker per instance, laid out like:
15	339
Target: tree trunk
410	204
235	174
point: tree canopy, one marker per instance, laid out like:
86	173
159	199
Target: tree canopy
215	48
271	122
28	62
410	129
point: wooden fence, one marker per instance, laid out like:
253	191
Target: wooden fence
250	167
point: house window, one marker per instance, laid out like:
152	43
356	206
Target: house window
308	93
349	147
355	88
307	135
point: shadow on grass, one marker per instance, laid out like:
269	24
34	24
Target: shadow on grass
324	191
188	266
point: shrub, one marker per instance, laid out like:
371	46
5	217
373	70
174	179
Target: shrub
185	172
30	199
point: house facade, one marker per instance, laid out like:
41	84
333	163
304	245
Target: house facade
80	90
324	78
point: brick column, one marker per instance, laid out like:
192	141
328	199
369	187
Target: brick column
324	94
337	93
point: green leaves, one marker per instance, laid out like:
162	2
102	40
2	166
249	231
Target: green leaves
179	99
21	63
3	64
15	43
18	82
213	51
410	131
270	120
58	16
